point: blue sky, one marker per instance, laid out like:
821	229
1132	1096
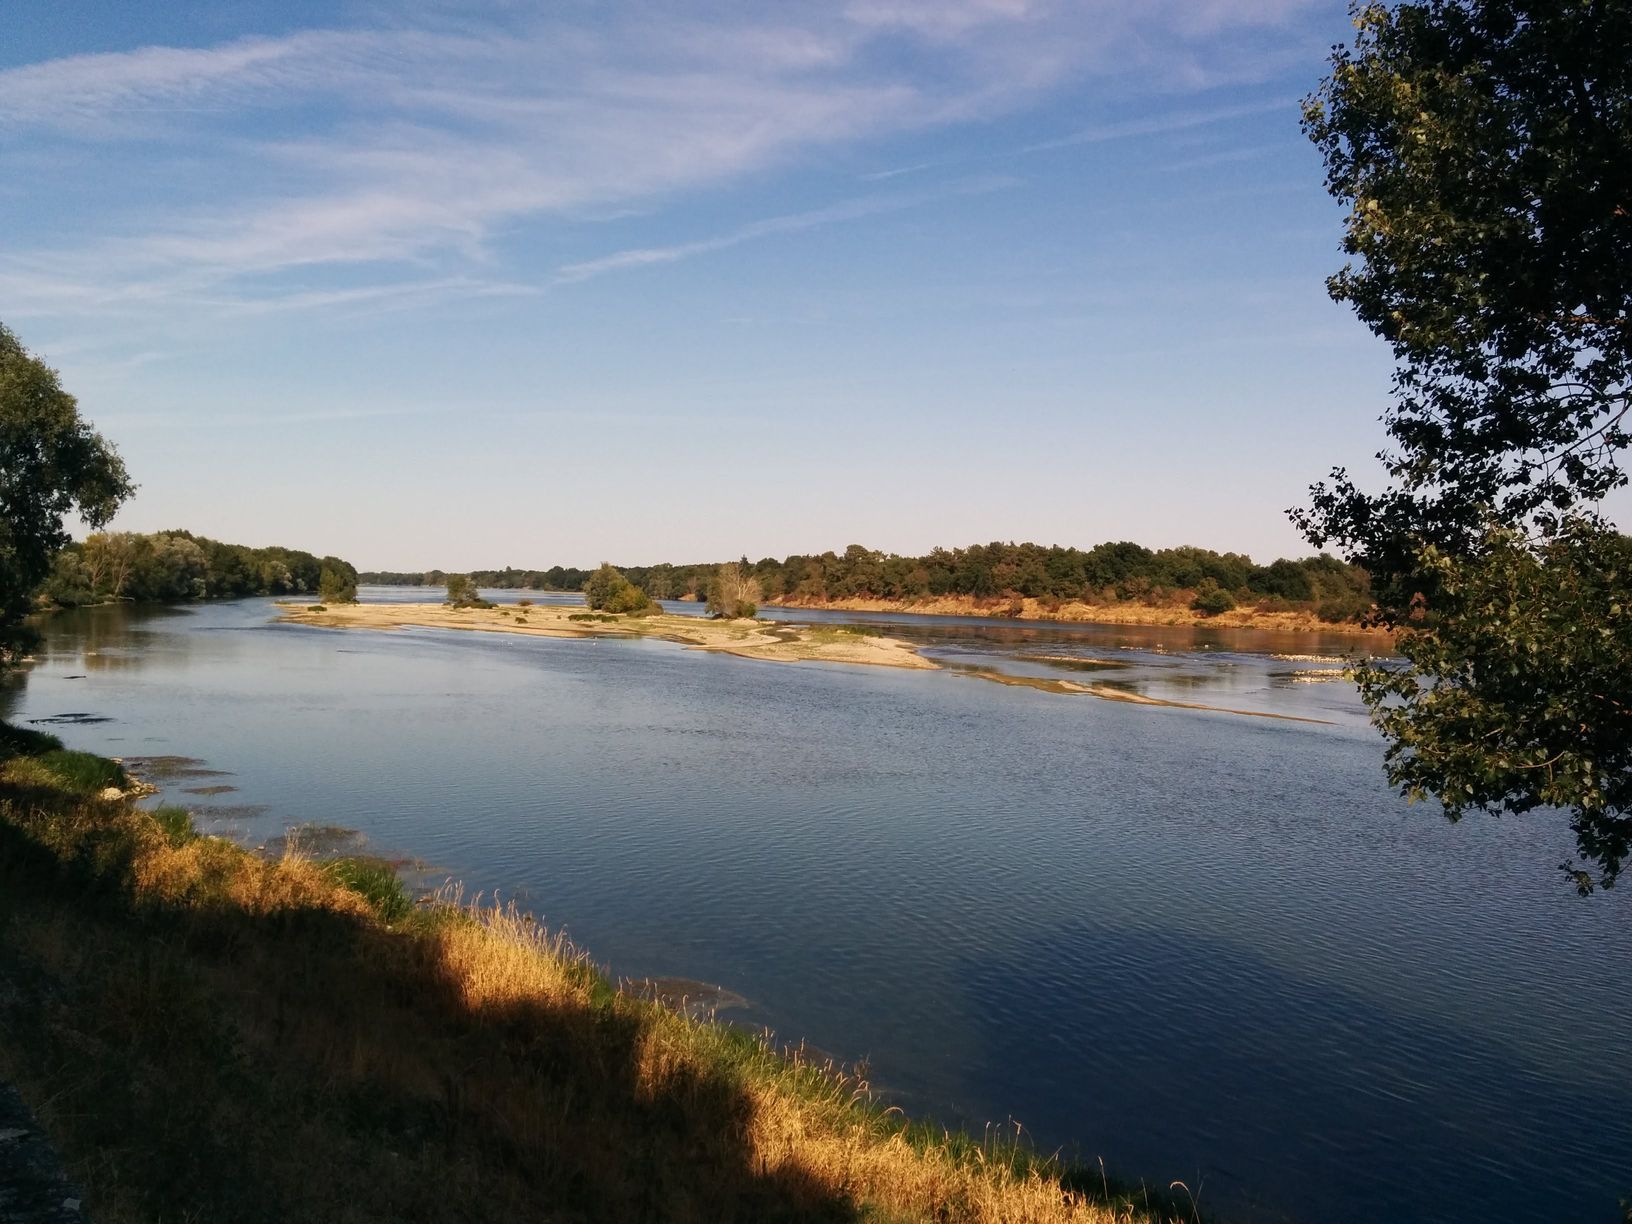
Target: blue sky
469	285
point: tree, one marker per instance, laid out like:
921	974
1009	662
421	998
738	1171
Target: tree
461	591
51	463
607	590
1212	599
734	591
1484	150
335	585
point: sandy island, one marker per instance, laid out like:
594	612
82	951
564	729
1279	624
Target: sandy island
748	639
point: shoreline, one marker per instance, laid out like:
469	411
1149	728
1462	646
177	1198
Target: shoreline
1077	613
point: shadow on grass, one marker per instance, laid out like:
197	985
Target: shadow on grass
199	1061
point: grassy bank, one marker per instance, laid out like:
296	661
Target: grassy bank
211	1035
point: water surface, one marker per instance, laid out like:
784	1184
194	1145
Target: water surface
1203	946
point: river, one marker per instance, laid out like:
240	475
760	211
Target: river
1204	946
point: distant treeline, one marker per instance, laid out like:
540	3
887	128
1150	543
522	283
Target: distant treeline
556	578
178	566
1119	572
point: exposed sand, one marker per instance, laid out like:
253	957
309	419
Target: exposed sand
749	639
776	643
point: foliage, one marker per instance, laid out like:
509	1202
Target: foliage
1517	696
51	463
1212	600
178	567
462	592
734	592
1484	148
1107	573
607	590
337	585
509	578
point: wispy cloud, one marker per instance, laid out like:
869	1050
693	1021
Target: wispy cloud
848	210
334	169
1163	124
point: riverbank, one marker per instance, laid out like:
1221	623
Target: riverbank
1093	614
207	1033
748	639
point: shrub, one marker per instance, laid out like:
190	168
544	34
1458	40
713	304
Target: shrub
524	603
1211	600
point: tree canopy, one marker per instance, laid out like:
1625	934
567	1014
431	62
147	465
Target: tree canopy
1484	151
52	463
607	590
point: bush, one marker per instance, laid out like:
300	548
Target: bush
524	603
607	590
1210	601
462	592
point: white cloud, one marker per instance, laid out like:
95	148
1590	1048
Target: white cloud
362	153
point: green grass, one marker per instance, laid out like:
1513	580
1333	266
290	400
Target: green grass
83	771
376	881
177	823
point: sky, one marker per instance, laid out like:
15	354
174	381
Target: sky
467	285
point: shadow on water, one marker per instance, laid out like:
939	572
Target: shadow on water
1233	1065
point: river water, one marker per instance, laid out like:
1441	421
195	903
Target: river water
1204	946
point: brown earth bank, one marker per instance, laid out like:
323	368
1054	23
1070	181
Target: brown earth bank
1084	613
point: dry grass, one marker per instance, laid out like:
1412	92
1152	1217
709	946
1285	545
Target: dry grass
215	1036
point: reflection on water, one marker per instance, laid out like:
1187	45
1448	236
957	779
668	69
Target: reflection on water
1203	946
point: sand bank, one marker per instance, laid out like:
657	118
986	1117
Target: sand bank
749	639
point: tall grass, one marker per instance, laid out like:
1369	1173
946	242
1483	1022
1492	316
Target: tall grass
212	1035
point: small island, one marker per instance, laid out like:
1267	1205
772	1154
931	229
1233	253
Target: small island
749	639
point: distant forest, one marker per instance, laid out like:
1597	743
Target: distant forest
178	567
1108	573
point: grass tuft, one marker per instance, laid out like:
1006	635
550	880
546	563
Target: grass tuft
83	771
177	823
376	882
